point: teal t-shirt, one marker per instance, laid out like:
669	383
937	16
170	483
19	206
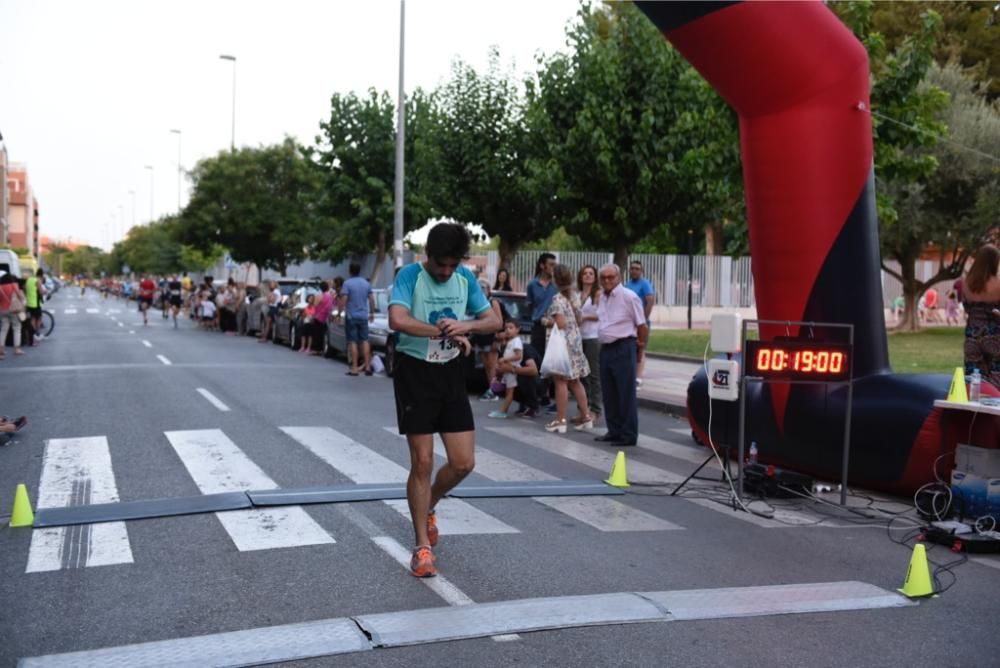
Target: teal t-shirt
429	301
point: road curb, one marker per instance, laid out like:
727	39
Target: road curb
674	358
667	407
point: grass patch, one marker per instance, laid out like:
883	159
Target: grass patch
935	350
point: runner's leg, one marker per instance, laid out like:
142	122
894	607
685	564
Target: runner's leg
418	485
460	447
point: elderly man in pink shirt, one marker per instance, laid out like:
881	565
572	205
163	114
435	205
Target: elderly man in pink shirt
621	328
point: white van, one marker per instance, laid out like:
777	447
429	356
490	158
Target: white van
9	264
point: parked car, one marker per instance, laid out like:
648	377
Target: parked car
288	324
243	311
257	311
516	305
378	329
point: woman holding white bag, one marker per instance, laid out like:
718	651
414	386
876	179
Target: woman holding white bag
564	360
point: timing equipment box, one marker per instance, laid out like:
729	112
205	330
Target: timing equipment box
775	482
974	496
982	462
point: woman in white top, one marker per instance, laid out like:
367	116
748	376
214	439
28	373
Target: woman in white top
590	293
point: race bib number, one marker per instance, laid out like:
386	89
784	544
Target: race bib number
442	349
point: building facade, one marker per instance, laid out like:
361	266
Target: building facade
22	231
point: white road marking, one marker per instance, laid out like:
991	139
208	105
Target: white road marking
601	512
438	584
93	310
147	343
131	331
603	460
120	323
986	561
69	311
212	399
164	360
217	465
363	465
77	471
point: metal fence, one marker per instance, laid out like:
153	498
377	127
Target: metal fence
717	280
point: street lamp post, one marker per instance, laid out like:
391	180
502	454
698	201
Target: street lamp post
232	139
397	226
179	169
132	193
150	168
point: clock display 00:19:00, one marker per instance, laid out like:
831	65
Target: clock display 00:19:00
798	360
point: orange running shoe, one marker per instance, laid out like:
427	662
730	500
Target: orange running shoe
432	528
422	562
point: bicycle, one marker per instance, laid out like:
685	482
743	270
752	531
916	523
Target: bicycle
48	323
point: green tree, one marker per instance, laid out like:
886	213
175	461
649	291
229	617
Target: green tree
485	145
260	203
87	260
969	36
54	257
356	161
635	134
955	211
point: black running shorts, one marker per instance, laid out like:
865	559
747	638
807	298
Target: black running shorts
431	398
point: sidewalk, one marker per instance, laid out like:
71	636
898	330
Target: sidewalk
664	386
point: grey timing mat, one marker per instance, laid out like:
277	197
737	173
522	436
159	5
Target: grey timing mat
365	633
139	510
328	494
482	490
346	493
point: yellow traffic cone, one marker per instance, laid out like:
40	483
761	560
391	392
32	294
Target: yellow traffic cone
22	515
618	477
918	575
957	391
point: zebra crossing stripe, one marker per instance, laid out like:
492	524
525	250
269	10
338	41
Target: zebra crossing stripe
70	311
216	465
93	310
77	471
600	512
603	460
363	465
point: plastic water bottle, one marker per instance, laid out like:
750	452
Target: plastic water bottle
752	457
974	386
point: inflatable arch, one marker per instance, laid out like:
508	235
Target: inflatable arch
799	81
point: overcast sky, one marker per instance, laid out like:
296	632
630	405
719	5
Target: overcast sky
89	91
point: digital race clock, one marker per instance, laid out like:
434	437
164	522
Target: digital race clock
798	359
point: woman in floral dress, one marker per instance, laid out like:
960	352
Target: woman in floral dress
564	313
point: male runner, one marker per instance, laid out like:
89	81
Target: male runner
174	289
147	288
428	300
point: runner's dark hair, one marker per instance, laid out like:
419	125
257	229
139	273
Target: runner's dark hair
448	240
355	269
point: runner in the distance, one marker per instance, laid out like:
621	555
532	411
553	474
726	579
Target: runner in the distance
428	300
174	290
147	288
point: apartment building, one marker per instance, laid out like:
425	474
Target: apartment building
23	215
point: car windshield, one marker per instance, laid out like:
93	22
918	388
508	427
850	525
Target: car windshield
381	301
516	307
287	288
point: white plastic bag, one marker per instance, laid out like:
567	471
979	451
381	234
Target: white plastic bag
556	361
377	365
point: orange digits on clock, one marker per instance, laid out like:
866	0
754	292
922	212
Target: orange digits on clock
807	361
836	362
823	361
764	359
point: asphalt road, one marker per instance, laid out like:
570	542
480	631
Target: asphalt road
138	411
